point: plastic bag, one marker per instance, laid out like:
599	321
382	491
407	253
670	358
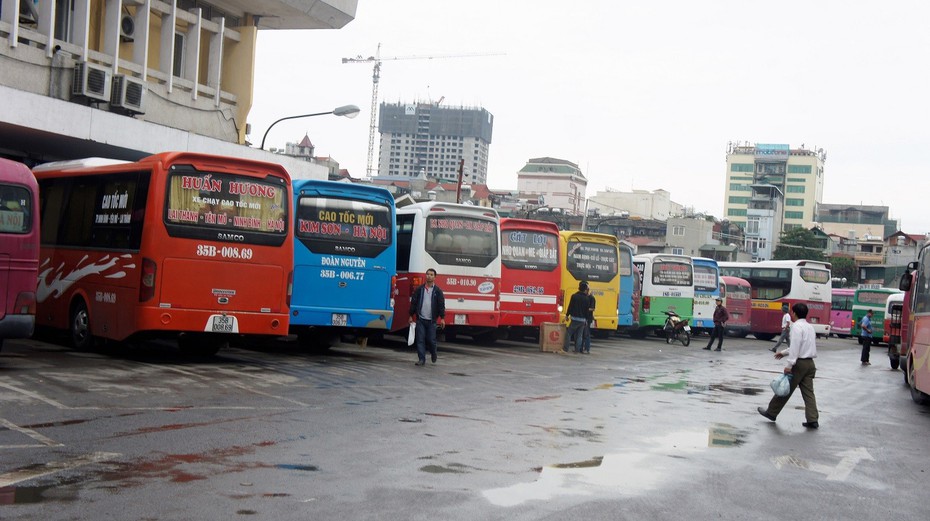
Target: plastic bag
412	334
782	385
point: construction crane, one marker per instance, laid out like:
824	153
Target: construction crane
376	76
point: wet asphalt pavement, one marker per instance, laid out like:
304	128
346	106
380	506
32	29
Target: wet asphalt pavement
637	430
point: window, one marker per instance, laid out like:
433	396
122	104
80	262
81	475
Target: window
678	230
15	209
738	200
799	169
178	63
739	212
794	215
795	189
794	202
797	180
741	167
738	187
678	251
752	225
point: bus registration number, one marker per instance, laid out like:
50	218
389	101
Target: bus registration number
459	320
527	321
222	324
340	319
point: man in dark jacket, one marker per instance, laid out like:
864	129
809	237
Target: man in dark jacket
577	314
427	310
721	316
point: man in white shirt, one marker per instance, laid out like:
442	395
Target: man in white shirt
800	357
785	328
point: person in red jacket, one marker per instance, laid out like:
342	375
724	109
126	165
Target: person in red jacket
721	316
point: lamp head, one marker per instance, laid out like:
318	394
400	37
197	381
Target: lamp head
349	111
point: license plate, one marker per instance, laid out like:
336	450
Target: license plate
527	321
340	319
688	328
222	324
459	320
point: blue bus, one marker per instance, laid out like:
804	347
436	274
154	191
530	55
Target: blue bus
625	319
706	291
345	259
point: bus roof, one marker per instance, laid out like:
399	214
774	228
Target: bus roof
435	206
16	172
594	236
512	223
735	281
75	164
777	264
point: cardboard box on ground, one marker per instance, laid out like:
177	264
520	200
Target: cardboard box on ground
551	337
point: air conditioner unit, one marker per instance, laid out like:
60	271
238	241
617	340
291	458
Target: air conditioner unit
128	94
127	28
91	81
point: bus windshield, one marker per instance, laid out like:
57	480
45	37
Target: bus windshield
736	292
705	278
592	261
342	226
672	274
15	209
875	298
225	207
529	250
456	240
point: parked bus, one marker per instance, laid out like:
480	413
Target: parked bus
461	243
706	292
873	298
778	282
667	284
345	260
915	334
894	308
841	311
626	310
595	258
184	245
737	297
19	250
530	276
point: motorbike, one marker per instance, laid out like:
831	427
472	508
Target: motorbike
676	328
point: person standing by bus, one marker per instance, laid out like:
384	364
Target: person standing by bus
865	333
785	329
801	354
428	311
577	314
721	316
589	323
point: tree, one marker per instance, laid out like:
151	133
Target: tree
798	244
844	267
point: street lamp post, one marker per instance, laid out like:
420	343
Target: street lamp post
349	111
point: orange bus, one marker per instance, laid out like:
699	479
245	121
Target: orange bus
183	245
530	275
19	250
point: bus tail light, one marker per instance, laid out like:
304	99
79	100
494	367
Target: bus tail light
393	289
415	282
147	288
646	305
561	301
25	303
290	287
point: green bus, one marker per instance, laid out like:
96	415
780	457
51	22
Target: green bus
667	284
874	298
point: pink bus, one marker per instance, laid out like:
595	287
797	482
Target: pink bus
19	250
841	311
737	297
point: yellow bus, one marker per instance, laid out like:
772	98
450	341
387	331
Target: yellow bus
594	258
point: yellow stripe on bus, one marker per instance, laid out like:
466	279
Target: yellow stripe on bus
766	304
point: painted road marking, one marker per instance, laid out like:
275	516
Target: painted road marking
47	442
842	470
17	476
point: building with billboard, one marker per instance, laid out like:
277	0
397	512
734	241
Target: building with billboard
432	141
796	172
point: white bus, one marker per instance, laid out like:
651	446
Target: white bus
462	243
778	282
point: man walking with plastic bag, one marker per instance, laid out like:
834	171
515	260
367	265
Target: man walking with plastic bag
800	357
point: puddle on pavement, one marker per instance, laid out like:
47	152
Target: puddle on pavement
451	468
633	471
41	494
289	466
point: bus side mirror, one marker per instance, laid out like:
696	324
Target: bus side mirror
905	284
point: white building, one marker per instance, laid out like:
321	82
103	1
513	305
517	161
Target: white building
656	204
560	183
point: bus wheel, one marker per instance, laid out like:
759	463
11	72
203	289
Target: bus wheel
81	338
918	397
764	336
894	360
487	338
316	340
199	344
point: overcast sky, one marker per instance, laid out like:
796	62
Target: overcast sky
640	95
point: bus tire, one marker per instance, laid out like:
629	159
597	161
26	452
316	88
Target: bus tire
764	336
316	340
81	337
895	362
200	344
918	397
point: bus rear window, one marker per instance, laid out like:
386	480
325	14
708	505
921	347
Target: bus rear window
226	207
458	240
875	298
15	209
815	276
737	292
671	274
528	250
592	261
705	278
343	226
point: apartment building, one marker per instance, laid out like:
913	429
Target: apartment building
432	141
796	172
124	79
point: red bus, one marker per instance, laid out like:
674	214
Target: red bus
530	277
462	243
915	328
737	297
19	249
183	245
